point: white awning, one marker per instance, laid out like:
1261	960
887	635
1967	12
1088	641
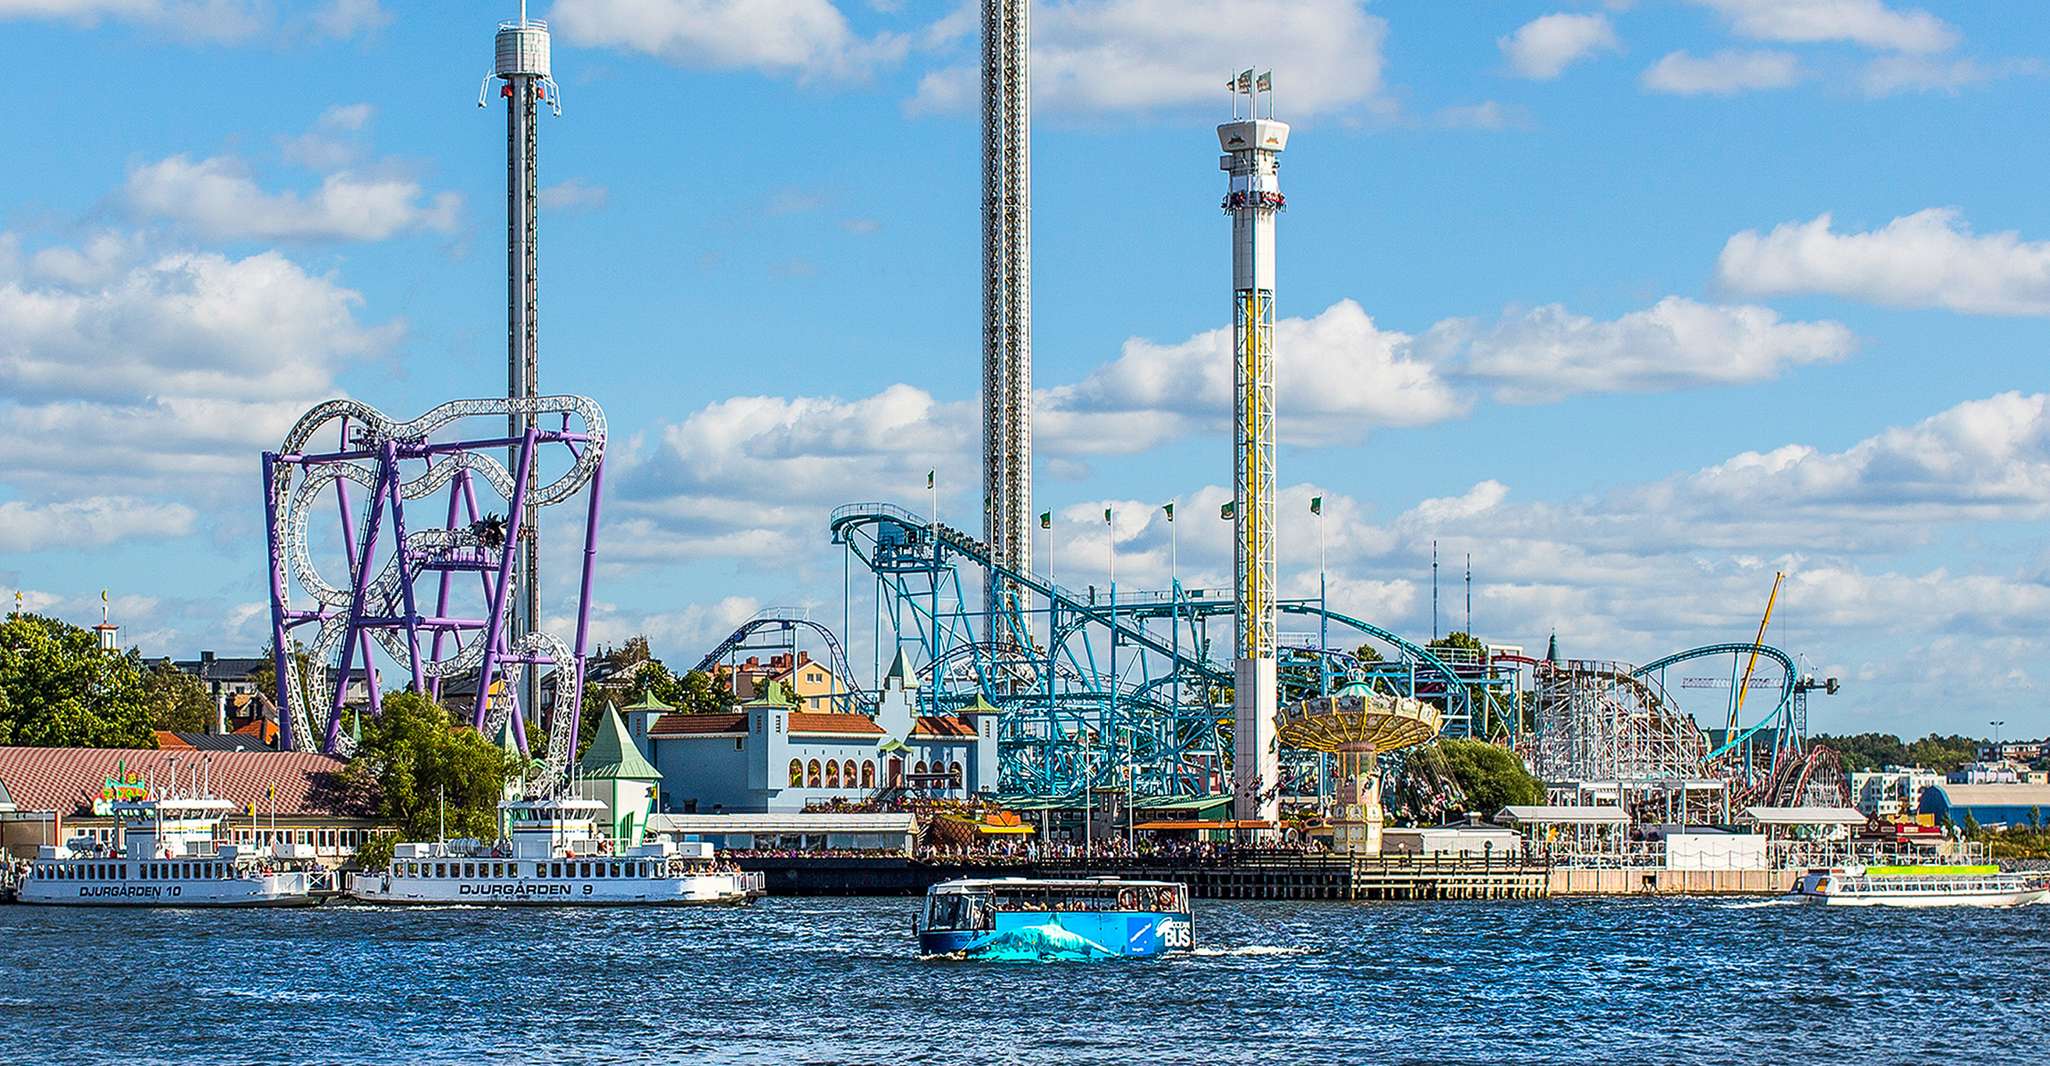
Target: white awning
1565	815
1805	815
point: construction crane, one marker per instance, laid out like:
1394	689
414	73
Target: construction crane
1737	705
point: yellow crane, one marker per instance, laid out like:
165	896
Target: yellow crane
1737	706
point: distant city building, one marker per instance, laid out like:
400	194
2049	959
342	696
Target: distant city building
1991	805
774	756
2021	751
1986	773
812	683
1895	791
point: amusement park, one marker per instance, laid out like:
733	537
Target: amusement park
404	553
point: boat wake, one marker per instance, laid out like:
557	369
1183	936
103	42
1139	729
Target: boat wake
1754	904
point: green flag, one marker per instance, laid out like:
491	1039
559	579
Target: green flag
1265	82
1229	511
1046	519
929	475
1317	505
1169	508
1106	516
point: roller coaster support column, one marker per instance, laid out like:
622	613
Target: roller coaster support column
1252	148
583	606
281	684
494	623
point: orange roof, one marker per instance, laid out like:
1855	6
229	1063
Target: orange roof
943	725
855	725
169	741
684	725
68	780
262	729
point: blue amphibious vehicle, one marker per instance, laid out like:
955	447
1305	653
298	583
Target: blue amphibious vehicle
1028	918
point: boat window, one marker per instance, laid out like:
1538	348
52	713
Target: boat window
958	910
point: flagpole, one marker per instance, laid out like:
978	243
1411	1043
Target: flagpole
932	644
1323	604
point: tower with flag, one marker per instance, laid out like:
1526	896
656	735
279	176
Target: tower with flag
1252	146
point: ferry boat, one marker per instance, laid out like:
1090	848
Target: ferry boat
1920	886
168	855
553	855
1032	918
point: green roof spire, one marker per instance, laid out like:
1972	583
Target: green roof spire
612	755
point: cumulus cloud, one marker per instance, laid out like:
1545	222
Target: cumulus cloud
208	358
1928	259
1337	375
1723	73
1549	352
1544	47
808	39
1106	56
1870	23
217	199
88	522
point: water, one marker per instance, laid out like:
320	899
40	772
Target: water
800	980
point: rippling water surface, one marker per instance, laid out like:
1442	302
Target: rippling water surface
801	980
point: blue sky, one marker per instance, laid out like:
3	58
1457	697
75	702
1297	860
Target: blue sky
1635	302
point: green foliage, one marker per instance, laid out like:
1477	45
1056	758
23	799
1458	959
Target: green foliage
177	701
376	853
1458	642
1367	653
414	757
1455	776
694	692
59	689
1871	751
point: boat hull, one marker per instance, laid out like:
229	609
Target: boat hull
1067	935
537	892
2020	898
191	894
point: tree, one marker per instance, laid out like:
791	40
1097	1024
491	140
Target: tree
59	688
177	701
1367	653
415	762
1454	776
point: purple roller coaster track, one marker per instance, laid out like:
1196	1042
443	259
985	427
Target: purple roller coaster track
393	571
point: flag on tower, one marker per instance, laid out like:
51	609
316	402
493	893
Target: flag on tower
929	475
1266	82
1169	508
1106	516
1317	505
1046	519
1229	511
1245	80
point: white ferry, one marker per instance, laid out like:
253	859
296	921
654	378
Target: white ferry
167	855
1921	886
553	855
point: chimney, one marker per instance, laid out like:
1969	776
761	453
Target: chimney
221	714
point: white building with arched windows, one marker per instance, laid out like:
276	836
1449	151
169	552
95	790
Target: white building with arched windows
771	755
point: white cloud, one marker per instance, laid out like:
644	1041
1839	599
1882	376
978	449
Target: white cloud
216	21
809	39
1546	46
1723	73
1486	115
1549	352
89	522
1886	75
575	194
216	198
1110	56
1870	23
1337	375
172	367
1928	259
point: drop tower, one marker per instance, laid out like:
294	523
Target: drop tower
1252	156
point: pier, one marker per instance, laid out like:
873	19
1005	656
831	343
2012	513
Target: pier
1265	876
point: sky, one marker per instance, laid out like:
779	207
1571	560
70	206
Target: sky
1634	303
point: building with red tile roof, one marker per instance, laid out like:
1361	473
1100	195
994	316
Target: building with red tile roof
300	793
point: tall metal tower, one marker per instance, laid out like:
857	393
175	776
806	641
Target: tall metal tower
1252	148
1006	287
522	62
